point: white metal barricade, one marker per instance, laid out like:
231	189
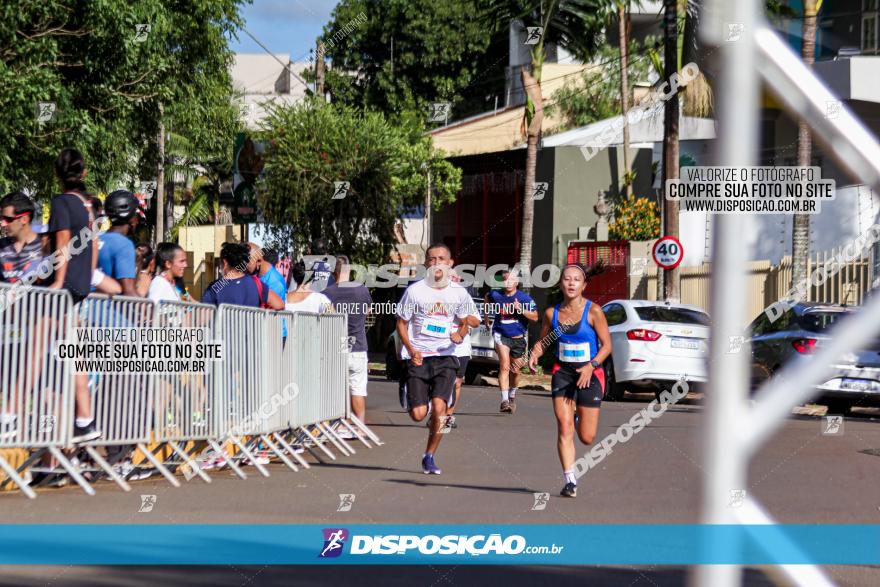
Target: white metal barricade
36	391
242	381
281	385
184	405
122	403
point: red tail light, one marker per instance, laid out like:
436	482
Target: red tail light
804	346
643	334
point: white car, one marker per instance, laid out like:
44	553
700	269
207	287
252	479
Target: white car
653	345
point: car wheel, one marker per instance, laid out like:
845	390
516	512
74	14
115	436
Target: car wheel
392	364
614	391
838	406
471	375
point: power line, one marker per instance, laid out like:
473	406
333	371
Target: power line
275	57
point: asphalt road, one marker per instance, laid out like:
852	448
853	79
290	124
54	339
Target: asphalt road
492	465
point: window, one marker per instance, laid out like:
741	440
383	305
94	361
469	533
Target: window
783	322
615	314
760	326
673	315
869	26
820	321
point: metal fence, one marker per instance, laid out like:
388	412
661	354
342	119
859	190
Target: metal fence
767	283
280	389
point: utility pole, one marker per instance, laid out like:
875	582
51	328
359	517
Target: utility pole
670	143
428	212
800	228
160	180
319	70
624	90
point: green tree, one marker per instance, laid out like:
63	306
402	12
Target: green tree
571	24
313	145
595	95
453	51
106	75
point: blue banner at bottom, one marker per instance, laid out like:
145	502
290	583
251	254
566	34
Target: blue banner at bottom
611	544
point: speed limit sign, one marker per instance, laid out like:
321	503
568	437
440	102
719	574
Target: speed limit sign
667	252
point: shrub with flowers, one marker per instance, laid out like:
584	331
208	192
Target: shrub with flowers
635	219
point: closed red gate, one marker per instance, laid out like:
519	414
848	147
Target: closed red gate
613	283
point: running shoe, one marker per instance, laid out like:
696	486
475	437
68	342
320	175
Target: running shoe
450	422
512	405
346	434
570	490
505	407
429	467
85	433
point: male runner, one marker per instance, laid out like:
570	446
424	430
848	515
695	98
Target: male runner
425	327
517	309
463	352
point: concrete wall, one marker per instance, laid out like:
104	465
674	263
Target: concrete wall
204	242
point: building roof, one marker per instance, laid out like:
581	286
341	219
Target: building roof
647	130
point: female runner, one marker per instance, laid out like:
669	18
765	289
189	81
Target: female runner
578	378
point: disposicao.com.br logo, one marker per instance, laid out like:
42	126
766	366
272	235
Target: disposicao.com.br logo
451	544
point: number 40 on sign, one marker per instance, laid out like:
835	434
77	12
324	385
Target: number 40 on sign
667	252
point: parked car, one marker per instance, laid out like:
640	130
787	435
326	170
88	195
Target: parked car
653	345
796	334
483	356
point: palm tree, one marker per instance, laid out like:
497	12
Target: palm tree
800	230
575	25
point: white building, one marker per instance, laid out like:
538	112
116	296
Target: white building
261	79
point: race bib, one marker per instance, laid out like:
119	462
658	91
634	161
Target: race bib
574	352
435	328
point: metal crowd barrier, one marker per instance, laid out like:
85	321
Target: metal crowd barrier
36	392
121	403
270	394
185	403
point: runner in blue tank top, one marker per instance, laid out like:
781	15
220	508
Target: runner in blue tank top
578	382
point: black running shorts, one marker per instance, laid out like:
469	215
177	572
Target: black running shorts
516	345
564	384
434	378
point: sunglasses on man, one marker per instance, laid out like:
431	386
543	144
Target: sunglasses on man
10	219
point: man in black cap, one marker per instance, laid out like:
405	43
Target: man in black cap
117	254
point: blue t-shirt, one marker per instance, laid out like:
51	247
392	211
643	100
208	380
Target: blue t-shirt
241	291
507	321
116	256
273	280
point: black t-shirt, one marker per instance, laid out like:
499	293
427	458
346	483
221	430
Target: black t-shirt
354	300
67	212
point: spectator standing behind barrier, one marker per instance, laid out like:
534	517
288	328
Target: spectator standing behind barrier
236	286
303	299
263	261
21	250
100	281
317	264
354	300
170	265
69	220
145	261
116	256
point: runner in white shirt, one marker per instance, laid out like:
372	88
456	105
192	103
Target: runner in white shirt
425	325
463	352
